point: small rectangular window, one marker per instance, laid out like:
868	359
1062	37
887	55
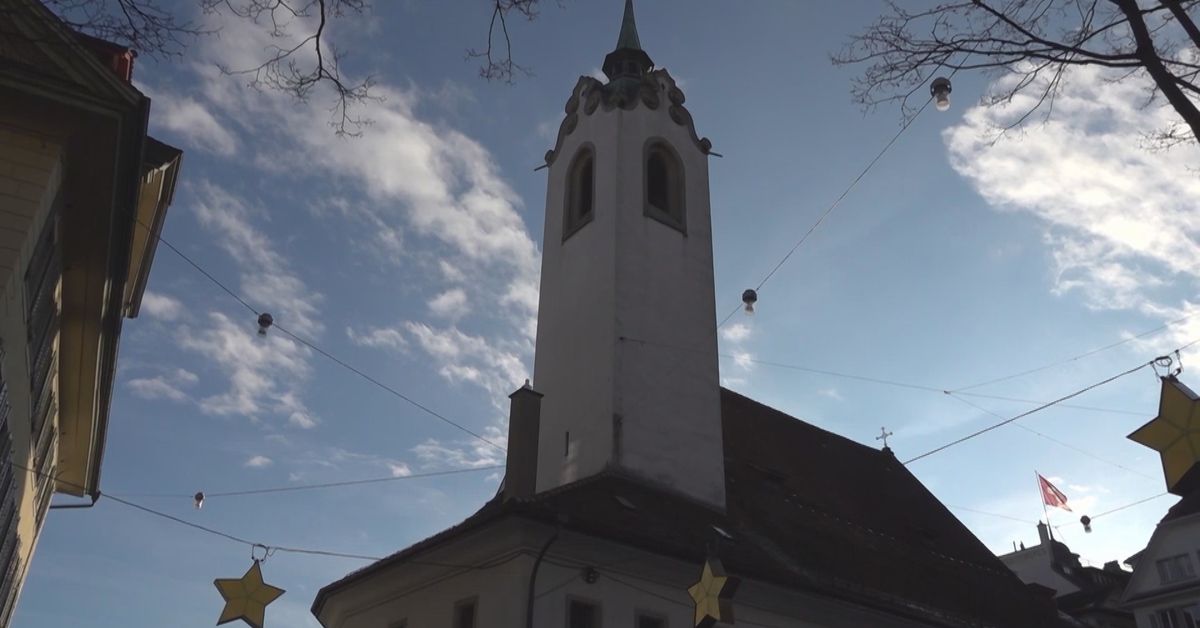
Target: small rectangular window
645	620
464	614
1175	569
581	614
1179	617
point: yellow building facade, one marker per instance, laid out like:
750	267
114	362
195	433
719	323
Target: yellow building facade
83	193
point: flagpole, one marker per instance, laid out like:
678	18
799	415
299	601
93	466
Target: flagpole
1042	496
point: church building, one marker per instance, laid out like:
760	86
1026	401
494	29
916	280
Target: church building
638	491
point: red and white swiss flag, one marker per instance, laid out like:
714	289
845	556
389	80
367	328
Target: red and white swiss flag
1051	496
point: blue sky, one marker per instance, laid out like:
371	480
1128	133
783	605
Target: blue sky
413	253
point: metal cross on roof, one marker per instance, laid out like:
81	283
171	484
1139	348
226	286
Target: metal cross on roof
883	436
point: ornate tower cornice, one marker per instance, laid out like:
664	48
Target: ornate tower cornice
650	91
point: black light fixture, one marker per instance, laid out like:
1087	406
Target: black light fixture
1087	523
198	500
749	298
590	575
940	90
265	321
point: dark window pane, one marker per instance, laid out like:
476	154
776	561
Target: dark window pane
582	615
464	615
586	178
657	181
650	621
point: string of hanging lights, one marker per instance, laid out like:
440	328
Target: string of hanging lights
266	321
939	91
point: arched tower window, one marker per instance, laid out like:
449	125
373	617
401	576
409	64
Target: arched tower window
581	191
664	187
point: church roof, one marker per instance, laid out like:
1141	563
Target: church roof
806	509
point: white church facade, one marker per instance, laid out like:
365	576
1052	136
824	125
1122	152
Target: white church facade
629	466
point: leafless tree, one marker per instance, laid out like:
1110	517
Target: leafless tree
1037	41
499	65
309	60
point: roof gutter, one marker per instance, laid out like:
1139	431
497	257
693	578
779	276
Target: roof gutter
134	127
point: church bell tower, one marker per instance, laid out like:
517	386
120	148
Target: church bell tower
626	353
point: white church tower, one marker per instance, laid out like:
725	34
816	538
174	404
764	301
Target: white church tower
626	343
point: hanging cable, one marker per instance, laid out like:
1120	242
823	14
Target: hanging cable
309	487
1076	358
873	380
990	514
1056	441
311	345
1027	413
832	206
267	548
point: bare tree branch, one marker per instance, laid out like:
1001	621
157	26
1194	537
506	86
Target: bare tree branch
143	25
498	65
1035	40
300	67
304	61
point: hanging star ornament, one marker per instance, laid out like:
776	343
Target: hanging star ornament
713	595
1175	435
246	598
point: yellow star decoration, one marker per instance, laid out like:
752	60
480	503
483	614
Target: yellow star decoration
246	598
1175	435
713	595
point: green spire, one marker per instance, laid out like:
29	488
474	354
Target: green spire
628	60
629	35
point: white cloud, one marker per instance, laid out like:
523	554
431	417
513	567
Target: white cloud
744	360
399	470
379	338
266	279
451	304
193	121
302	420
463	454
156	388
736	332
1121	222
466	358
169	386
264	372
258	462
832	393
161	306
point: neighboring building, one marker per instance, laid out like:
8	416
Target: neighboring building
1165	589
1089	595
77	175
629	465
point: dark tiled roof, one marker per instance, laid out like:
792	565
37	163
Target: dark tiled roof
1189	505
806	509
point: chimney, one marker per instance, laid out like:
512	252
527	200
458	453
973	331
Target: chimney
524	419
1043	532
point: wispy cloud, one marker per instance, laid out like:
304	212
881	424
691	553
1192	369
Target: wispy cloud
451	304
169	386
436	453
263	371
266	276
258	462
831	393
736	332
462	357
379	338
161	306
1121	221
192	120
